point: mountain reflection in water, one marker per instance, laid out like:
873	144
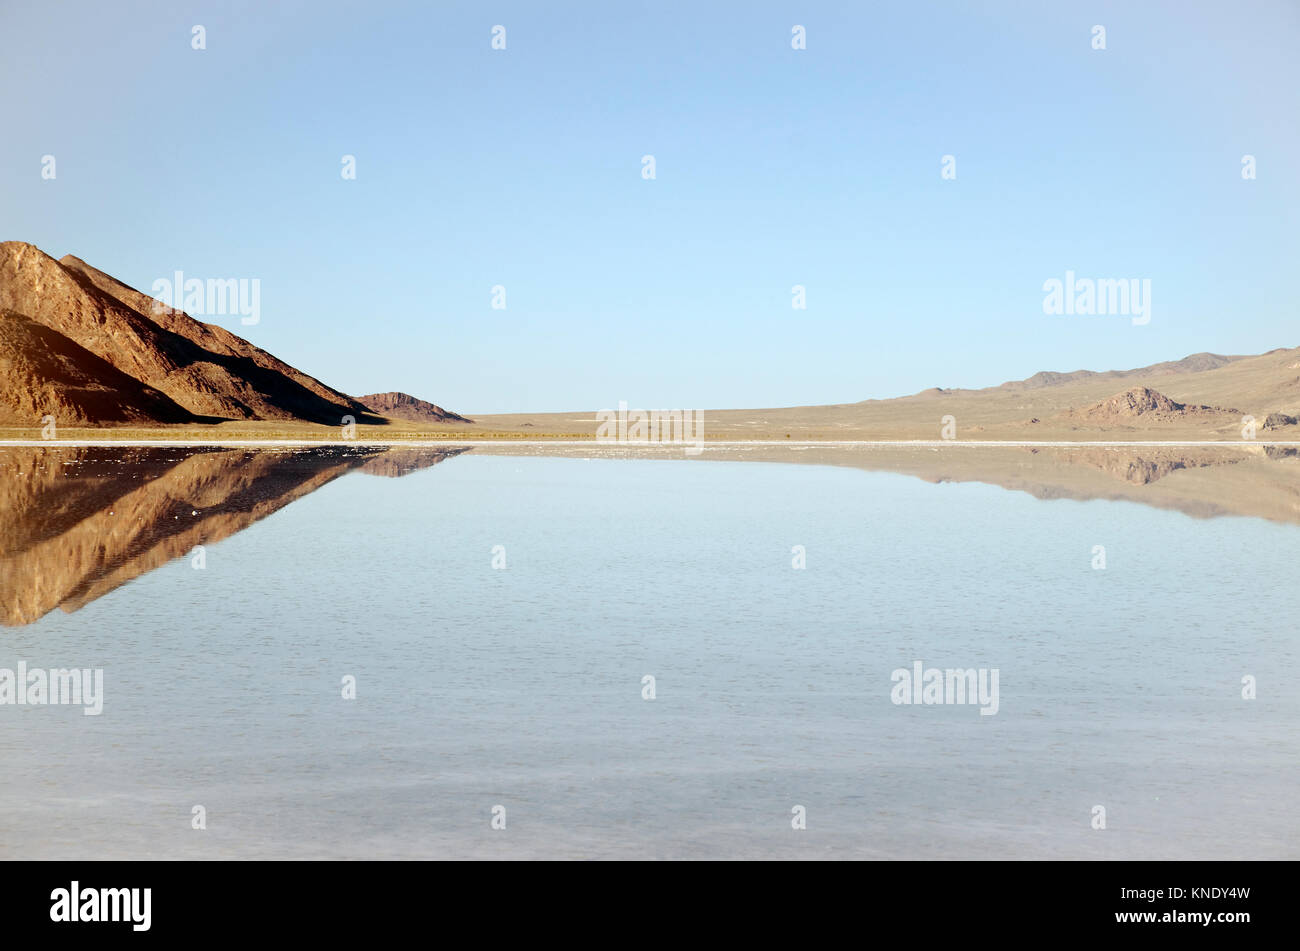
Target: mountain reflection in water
78	521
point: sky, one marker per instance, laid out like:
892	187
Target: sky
774	167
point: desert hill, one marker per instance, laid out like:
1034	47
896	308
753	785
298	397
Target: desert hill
409	408
1191	364
183	370
295	394
45	373
1203	396
1126	407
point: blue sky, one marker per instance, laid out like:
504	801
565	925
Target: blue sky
775	167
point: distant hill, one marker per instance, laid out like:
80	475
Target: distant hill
409	408
1195	363
1203	396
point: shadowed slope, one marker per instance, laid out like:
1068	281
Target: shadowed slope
45	373
205	369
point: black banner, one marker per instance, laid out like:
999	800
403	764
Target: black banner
167	900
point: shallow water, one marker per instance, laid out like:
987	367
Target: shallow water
522	687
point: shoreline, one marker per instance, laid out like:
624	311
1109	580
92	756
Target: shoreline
642	446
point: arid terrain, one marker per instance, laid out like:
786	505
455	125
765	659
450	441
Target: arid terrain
107	361
1202	397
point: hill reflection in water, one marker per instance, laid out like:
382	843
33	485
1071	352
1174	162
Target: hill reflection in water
79	522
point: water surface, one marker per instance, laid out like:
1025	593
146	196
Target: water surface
522	687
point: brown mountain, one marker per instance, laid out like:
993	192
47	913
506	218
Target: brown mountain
184	370
409	408
46	373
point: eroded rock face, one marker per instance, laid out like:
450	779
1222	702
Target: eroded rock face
206	371
77	522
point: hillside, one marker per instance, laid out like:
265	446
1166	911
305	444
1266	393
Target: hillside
45	373
207	372
1200	397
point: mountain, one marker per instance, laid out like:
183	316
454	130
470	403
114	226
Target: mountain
409	408
183	370
1192	364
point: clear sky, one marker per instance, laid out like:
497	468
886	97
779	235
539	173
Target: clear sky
774	167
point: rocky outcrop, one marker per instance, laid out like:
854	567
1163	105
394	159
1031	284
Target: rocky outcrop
406	407
1145	403
1278	420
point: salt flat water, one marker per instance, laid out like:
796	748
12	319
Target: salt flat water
523	687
